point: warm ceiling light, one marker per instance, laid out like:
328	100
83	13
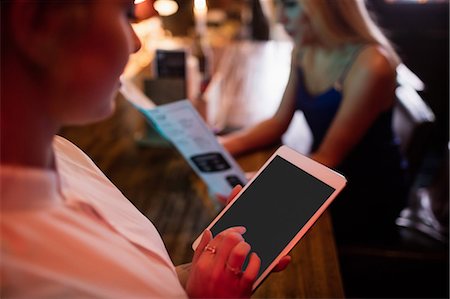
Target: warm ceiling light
165	7
138	1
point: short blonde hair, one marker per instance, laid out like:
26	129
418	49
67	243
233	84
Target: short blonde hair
343	21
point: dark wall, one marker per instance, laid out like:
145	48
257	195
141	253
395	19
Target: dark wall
421	34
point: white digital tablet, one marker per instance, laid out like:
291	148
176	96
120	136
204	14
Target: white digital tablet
279	205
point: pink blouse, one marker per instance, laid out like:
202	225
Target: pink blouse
71	233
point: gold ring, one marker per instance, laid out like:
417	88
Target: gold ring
211	249
236	271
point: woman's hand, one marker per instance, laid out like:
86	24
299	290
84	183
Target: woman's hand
225	200
216	270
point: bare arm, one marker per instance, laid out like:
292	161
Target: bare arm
368	91
270	130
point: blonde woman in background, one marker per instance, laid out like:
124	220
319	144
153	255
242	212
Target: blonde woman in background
343	79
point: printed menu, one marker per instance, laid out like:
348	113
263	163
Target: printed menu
180	123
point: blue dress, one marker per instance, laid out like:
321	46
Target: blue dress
375	170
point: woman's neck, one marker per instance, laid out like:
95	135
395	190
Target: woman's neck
26	130
322	67
24	145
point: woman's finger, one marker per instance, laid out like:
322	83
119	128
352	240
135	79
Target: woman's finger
282	264
252	270
237	258
249	175
238	229
206	238
215	245
222	199
229	241
225	200
233	193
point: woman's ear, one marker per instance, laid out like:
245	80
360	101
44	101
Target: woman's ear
34	31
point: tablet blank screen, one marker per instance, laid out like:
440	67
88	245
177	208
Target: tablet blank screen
274	208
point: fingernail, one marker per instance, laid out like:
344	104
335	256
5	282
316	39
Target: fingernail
207	234
242	229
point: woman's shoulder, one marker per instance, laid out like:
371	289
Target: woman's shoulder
374	60
68	152
373	74
63	145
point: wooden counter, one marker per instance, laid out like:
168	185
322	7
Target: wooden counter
164	188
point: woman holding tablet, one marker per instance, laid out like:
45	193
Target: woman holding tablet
66	230
343	79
